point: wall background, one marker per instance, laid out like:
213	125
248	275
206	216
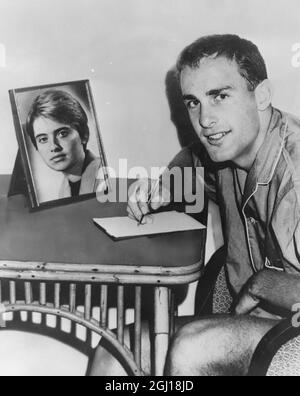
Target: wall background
126	48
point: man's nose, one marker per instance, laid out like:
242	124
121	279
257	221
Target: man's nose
207	118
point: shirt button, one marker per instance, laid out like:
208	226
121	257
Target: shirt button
252	220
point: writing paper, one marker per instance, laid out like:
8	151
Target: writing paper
157	223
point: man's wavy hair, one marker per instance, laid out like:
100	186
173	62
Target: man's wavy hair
59	106
251	64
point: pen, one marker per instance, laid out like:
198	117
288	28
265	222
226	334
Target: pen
153	188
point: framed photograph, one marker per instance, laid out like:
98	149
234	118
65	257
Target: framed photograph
60	144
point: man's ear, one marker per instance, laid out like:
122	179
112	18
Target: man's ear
263	95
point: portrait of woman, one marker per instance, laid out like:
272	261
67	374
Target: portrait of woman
59	137
58	128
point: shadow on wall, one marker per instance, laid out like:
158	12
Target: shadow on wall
179	116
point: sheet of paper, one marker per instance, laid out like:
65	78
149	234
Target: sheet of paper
158	223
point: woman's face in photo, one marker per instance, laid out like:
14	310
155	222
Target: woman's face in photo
59	145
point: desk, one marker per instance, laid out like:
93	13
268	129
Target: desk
62	244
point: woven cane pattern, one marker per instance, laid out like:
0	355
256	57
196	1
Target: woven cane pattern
286	362
222	299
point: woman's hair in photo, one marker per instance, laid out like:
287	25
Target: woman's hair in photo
59	106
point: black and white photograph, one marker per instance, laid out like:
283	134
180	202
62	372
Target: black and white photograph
59	139
150	191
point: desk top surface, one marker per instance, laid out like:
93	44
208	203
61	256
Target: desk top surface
67	234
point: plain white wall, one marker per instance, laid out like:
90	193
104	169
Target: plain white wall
126	48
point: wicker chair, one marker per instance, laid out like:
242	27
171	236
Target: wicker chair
278	353
212	294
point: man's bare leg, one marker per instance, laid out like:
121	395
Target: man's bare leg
106	361
216	346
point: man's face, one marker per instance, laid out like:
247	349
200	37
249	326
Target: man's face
222	109
59	145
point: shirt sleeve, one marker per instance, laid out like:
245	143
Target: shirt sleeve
286	226
191	157
183	159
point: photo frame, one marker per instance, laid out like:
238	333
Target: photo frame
61	156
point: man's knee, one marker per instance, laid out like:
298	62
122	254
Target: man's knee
221	345
107	361
186	351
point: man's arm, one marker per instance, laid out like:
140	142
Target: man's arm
139	204
277	288
183	159
194	156
281	289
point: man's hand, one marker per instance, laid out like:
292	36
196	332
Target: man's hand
146	195
279	289
247	301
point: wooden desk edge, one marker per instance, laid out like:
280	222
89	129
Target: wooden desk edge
110	274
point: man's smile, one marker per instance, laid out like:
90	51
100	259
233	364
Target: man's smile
216	139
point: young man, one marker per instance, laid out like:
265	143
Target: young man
58	128
256	182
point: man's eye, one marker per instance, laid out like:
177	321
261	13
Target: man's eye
192	104
220	97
